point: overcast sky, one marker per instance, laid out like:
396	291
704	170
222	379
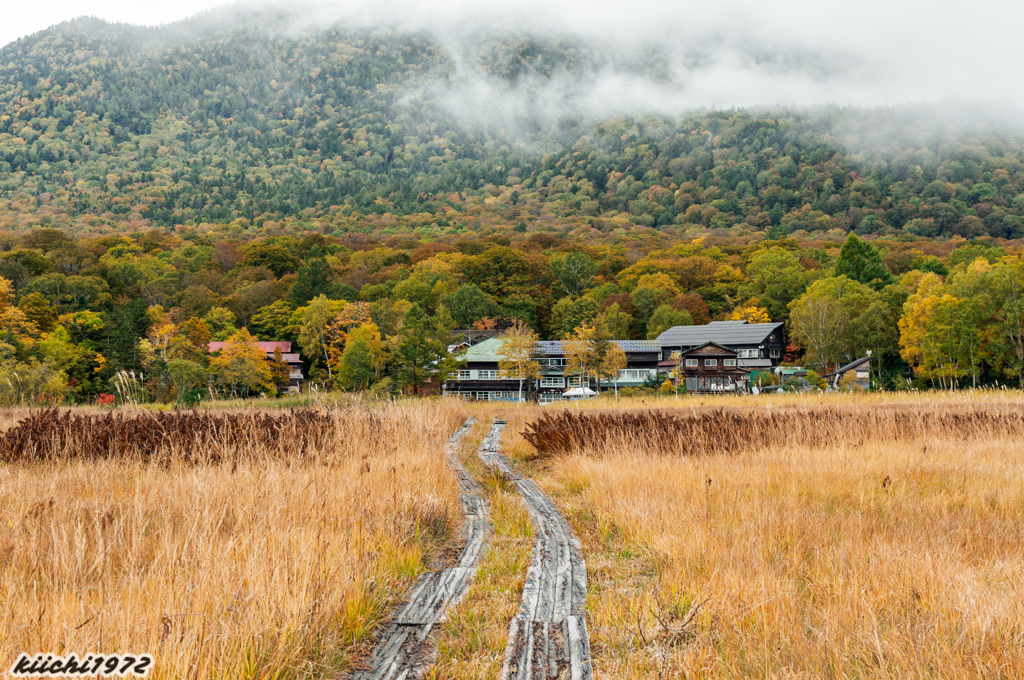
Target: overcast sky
873	52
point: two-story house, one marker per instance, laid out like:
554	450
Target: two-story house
757	345
712	368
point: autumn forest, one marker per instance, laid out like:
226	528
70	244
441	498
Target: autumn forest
220	179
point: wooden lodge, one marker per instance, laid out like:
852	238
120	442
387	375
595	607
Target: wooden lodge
710	368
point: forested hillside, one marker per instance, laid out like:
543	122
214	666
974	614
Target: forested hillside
229	117
226	178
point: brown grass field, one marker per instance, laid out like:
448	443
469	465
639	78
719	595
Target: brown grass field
257	566
846	553
837	536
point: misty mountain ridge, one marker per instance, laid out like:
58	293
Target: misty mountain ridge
264	113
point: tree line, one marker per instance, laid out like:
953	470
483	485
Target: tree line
83	316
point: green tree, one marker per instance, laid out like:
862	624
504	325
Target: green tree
312	279
469	304
568	314
617	322
825	320
776	279
315	318
664	318
39	311
363	358
273	322
221	322
274	257
186	376
645	301
422	345
861	261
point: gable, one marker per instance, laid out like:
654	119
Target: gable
710	349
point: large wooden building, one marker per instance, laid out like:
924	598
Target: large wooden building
758	346
479	380
710	368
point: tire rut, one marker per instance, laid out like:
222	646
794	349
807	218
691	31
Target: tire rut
403	651
548	638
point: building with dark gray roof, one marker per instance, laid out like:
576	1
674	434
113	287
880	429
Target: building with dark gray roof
758	345
480	378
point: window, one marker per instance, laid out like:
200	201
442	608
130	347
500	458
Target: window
747	354
464	375
711	363
548	398
728	362
575	382
691	363
487	375
775	353
552	382
635	374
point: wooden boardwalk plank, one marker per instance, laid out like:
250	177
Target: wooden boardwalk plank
402	651
547	639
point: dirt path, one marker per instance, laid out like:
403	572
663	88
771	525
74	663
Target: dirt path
404	652
547	639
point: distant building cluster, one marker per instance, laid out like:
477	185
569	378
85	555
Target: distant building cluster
721	356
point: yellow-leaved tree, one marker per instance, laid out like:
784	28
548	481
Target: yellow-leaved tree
518	349
750	314
241	367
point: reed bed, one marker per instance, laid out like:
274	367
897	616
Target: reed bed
195	437
230	561
886	545
731	431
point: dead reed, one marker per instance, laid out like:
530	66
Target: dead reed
730	431
194	436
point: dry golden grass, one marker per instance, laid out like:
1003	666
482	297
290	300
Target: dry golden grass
856	558
859	557
258	568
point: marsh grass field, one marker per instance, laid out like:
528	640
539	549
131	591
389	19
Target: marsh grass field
873	546
260	565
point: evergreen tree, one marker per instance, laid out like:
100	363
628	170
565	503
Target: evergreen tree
312	279
423	344
124	329
862	262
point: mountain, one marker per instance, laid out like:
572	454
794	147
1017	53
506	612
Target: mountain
253	118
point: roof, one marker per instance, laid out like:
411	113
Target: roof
548	347
726	333
488	350
268	347
638	345
856	363
754	363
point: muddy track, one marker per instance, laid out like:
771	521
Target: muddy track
547	639
403	651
